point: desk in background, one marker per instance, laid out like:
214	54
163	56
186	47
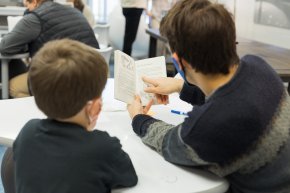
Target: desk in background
9	11
154	173
154	36
278	58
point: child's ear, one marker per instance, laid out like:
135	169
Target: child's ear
95	107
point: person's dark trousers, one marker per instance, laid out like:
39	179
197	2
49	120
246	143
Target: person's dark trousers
7	172
16	67
132	16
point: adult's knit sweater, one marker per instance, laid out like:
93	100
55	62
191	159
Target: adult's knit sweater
240	132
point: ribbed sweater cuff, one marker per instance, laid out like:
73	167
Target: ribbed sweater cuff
138	124
185	93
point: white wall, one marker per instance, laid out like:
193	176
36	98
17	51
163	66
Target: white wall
102	8
247	28
113	15
244	17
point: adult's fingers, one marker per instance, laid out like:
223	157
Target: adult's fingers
150	80
148	106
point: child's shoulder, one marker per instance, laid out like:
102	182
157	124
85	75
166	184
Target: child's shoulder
103	140
105	137
32	123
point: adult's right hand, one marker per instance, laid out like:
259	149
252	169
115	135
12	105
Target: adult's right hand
162	87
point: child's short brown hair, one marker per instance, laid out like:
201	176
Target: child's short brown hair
64	75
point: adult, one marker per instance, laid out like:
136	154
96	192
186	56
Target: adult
239	126
132	10
43	21
159	10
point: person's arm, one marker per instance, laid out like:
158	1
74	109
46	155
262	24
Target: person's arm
162	87
165	139
165	86
192	94
25	31
121	168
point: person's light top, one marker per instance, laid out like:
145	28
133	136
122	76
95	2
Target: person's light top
134	3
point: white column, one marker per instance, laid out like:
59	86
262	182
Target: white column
102	11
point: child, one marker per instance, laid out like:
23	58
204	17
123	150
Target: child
63	153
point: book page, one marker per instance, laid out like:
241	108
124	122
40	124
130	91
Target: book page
152	67
124	77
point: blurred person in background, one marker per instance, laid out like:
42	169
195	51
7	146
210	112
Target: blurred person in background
44	20
159	10
132	10
85	9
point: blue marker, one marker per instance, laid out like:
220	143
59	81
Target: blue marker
179	112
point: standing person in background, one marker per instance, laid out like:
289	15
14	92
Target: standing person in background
43	21
132	10
84	8
159	10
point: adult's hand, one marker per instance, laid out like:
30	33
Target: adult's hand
136	107
162	87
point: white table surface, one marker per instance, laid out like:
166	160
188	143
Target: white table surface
155	174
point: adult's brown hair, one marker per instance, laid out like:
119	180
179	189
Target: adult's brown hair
203	34
64	75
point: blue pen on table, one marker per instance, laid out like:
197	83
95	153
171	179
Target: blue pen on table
178	112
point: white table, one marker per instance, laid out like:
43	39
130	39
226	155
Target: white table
12	10
9	11
5	71
155	174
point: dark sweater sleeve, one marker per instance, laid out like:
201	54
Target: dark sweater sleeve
192	94
25	31
140	124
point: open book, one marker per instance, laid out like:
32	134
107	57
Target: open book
128	76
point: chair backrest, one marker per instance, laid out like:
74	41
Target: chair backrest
106	53
12	21
103	34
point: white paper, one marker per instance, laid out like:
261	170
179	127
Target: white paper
151	67
128	76
124	75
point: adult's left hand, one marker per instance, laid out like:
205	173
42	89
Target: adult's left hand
136	107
